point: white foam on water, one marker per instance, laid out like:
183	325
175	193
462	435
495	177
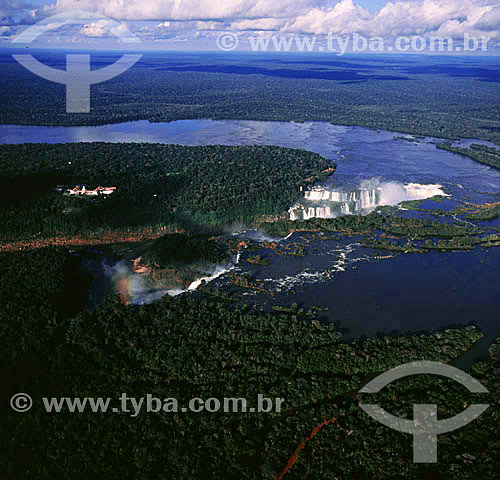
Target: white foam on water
219	271
340	265
320	202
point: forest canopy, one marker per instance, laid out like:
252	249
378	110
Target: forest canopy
165	186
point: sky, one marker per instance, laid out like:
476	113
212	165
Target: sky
196	24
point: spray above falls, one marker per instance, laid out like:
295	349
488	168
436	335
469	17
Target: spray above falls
321	202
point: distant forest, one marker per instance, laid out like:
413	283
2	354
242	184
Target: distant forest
480	153
411	94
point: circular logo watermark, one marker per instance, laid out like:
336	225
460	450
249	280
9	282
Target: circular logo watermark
227	41
78	76
425	426
21	402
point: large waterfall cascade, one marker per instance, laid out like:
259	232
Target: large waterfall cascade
320	202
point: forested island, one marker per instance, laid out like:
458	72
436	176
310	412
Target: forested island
480	153
384	229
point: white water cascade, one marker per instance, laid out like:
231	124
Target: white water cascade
320	202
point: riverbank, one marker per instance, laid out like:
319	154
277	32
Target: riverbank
107	238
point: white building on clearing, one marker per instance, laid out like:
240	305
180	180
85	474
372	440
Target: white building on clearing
82	190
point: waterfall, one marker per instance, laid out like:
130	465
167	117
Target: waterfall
319	202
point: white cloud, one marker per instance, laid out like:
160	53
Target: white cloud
96	29
258	24
188	9
341	17
443	16
401	17
489	20
344	17
102	28
407	18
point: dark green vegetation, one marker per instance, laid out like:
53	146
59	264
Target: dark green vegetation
385	229
182	249
411	94
480	153
416	204
258	260
187	348
174	261
346	447
488	212
407	139
390	223
167	187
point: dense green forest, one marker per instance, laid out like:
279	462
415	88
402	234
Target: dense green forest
399	93
174	261
182	249
186	347
164	186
